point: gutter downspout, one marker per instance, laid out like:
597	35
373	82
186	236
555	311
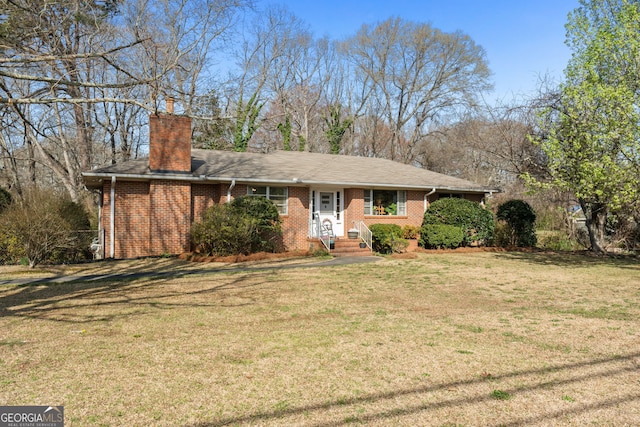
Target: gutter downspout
231	187
100	230
426	196
112	220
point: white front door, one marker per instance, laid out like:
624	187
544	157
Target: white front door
328	205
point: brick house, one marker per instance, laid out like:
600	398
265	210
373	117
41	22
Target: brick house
147	206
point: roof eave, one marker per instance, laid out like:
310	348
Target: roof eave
98	177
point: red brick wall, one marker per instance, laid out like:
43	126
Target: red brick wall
169	143
295	225
150	218
131	219
170	217
353	207
203	196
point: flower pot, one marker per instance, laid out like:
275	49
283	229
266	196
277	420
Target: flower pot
352	234
363	245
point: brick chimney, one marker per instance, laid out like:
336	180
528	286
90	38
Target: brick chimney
169	142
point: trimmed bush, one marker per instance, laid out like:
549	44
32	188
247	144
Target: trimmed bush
441	236
476	222
248	224
520	219
387	238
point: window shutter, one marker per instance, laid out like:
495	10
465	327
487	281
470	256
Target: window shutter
367	202
402	203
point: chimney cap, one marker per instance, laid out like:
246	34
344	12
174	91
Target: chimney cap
169	105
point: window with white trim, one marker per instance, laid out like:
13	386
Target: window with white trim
278	195
385	202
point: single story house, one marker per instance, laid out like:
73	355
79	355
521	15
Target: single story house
147	206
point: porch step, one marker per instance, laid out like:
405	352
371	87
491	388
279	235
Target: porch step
349	247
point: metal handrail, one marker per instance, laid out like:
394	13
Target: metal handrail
365	234
322	232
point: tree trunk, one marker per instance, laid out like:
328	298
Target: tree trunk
596	219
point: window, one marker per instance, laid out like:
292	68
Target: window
278	195
385	202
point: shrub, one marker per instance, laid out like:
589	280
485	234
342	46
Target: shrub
410	232
10	249
5	199
268	235
476	222
45	227
79	224
221	231
559	241
248	224
7	243
520	218
502	235
441	236
387	238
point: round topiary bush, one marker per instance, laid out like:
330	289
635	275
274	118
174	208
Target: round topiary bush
519	219
476	222
441	236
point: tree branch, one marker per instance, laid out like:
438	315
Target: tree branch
49	58
58	81
72	101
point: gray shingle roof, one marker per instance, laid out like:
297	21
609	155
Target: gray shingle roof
293	168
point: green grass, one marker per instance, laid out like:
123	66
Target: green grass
500	395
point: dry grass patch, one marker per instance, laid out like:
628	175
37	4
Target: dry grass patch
441	339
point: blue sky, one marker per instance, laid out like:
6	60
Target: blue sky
523	39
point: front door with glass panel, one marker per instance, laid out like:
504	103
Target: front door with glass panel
328	206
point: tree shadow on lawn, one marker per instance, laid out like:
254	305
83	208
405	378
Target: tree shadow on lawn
39	296
574	373
581	259
54	301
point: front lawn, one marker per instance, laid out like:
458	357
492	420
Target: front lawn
445	339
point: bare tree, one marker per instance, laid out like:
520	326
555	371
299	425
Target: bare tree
301	95
263	61
417	75
80	58
492	146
